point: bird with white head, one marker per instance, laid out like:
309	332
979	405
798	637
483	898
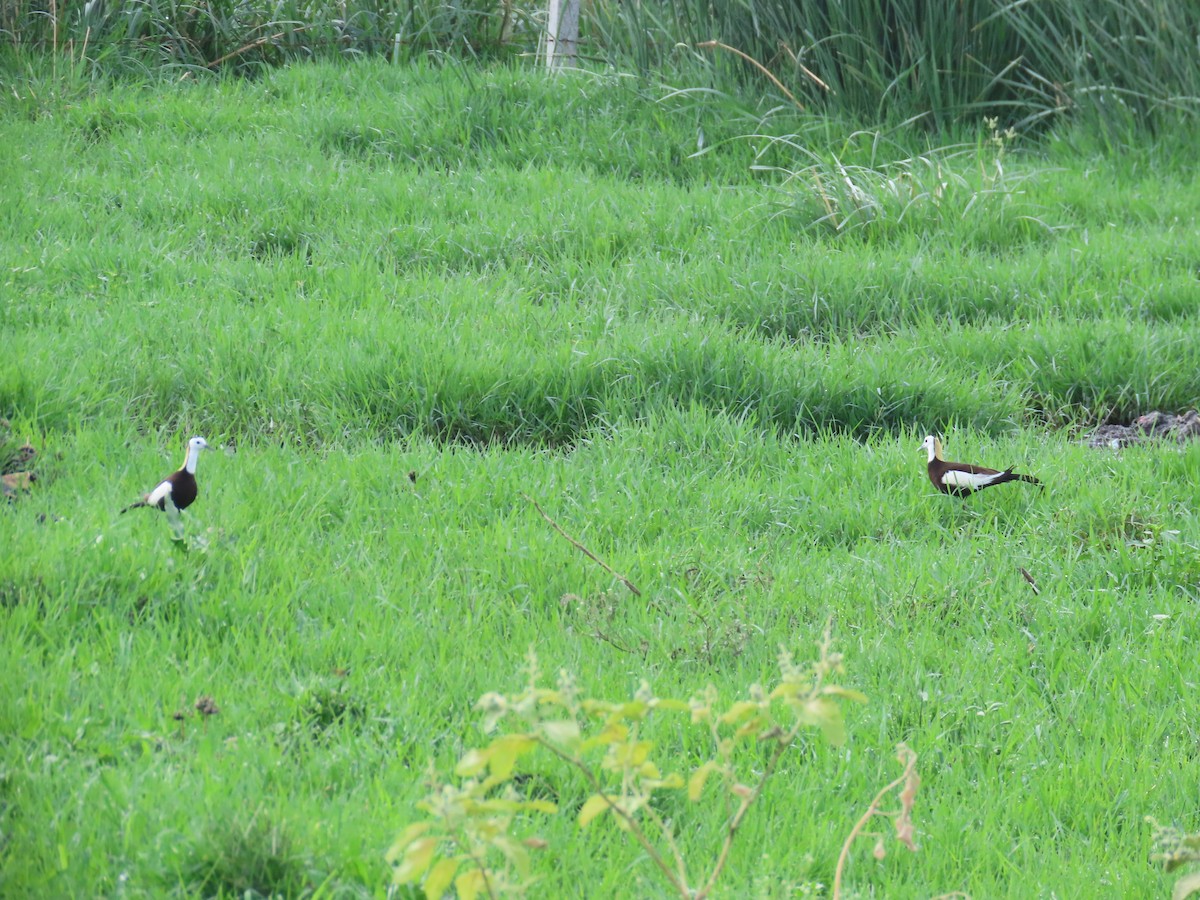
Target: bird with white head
178	490
963	479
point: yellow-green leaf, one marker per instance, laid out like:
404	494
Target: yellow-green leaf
632	754
785	689
439	878
505	751
416	860
848	693
753	726
739	711
514	851
469	884
507	805
472	762
610	734
594	805
699	779
826	715
500	804
484	787
597	707
634	709
407	836
563	731
649	770
1186	886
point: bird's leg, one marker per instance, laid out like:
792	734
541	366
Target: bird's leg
175	519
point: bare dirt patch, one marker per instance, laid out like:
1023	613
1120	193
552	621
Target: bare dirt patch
1154	426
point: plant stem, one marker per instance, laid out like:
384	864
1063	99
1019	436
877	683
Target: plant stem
872	810
680	886
466	847
665	830
731	829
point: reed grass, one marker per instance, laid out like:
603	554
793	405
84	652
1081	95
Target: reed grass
1121	65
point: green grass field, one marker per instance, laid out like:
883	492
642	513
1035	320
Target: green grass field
517	287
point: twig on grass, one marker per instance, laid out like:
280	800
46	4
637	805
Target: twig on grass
601	636
584	550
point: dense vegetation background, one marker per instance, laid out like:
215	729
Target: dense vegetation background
702	318
934	61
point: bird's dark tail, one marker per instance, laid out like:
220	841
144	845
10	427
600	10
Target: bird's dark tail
133	506
1009	475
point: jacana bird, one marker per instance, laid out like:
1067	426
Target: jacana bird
963	479
177	490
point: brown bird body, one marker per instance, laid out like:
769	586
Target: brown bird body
963	479
178	490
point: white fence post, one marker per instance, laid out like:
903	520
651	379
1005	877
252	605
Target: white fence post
562	33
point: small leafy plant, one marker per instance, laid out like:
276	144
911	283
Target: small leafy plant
467	839
1174	848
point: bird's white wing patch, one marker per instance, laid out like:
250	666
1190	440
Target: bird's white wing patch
163	490
955	478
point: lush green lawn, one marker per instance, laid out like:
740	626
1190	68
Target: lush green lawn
516	287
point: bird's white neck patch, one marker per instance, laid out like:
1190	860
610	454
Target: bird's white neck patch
193	457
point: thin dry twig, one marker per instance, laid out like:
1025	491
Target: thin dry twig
706	45
250	46
904	822
601	636
584	550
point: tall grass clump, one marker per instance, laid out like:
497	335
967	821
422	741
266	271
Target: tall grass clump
1118	64
246	34
871	59
244	857
935	61
966	188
